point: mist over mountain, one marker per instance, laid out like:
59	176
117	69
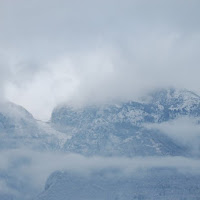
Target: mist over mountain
99	100
82	136
95	52
121	129
112	184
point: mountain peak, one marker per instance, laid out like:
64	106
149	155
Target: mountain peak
174	99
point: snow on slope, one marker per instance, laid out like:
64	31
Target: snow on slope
119	129
106	130
112	184
18	128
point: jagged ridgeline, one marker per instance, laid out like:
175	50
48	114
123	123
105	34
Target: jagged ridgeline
120	130
106	130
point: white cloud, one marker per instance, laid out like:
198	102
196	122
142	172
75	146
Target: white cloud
35	167
185	130
96	51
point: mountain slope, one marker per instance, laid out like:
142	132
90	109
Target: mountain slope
112	184
119	129
19	129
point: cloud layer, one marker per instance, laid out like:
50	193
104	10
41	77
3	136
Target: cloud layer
185	130
33	168
91	52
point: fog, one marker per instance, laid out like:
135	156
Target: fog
94	52
33	168
185	130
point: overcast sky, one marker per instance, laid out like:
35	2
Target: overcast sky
91	51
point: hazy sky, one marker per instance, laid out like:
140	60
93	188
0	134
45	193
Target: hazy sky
54	51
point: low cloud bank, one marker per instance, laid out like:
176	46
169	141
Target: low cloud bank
185	130
37	166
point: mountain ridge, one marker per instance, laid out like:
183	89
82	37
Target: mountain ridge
111	130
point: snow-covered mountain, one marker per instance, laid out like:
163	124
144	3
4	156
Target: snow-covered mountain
106	130
157	106
112	184
18	128
119	130
174	103
19	131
